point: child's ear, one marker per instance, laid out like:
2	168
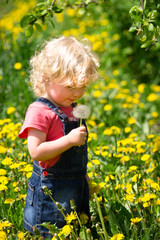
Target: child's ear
45	78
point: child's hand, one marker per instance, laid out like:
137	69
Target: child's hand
77	136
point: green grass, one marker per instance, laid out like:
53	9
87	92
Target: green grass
123	144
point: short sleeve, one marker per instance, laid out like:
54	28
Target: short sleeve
37	116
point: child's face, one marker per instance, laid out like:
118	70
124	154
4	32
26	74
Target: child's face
62	95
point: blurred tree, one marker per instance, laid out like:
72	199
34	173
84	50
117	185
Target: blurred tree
145	16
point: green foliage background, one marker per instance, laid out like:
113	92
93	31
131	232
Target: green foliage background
124	124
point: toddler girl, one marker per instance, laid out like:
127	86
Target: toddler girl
57	144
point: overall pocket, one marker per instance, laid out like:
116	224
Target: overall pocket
30	193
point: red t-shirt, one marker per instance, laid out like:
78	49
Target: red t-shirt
41	117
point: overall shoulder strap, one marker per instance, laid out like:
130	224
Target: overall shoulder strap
62	116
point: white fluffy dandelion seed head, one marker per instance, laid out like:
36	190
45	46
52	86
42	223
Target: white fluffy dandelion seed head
81	111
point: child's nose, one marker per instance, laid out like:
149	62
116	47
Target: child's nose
78	92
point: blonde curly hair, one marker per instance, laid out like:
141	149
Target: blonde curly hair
63	59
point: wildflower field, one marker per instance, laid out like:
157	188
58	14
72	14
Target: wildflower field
124	130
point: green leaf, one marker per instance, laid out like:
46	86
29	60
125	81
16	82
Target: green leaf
25	20
53	25
113	222
136	10
144	4
143	38
83	232
152	14
59	10
146	44
29	31
38	27
119	216
56	9
151	27
132	29
42	4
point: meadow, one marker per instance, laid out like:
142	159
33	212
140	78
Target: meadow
124	133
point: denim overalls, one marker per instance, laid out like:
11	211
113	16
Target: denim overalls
66	179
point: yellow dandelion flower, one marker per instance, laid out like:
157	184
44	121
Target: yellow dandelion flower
114	130
155	88
27	168
71	12
3	187
145	157
91	122
66	230
152	97
3	149
125	159
109	177
146	204
84	218
118	186
14	184
7	161
158	202
131	120
127	129
101	125
148	181
93	188
28	175
22	196
141	87
17	65
70	217
89	164
115	72
4	180
155	114
20	235
150	169
9	200
25	142
136	177
132	168
104	22
133	135
14	166
147	197
97	94
136	220
11	110
102	184
152	122
16	189
96	161
3	235
107	107
116	36
92	136
130	197
2	172
5	224
118	236
151	136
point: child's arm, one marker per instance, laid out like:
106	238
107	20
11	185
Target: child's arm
40	150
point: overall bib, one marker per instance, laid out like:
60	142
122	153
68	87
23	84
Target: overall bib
66	180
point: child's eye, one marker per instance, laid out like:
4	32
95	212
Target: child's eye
70	87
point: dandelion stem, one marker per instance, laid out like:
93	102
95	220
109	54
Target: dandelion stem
74	234
80	124
101	217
